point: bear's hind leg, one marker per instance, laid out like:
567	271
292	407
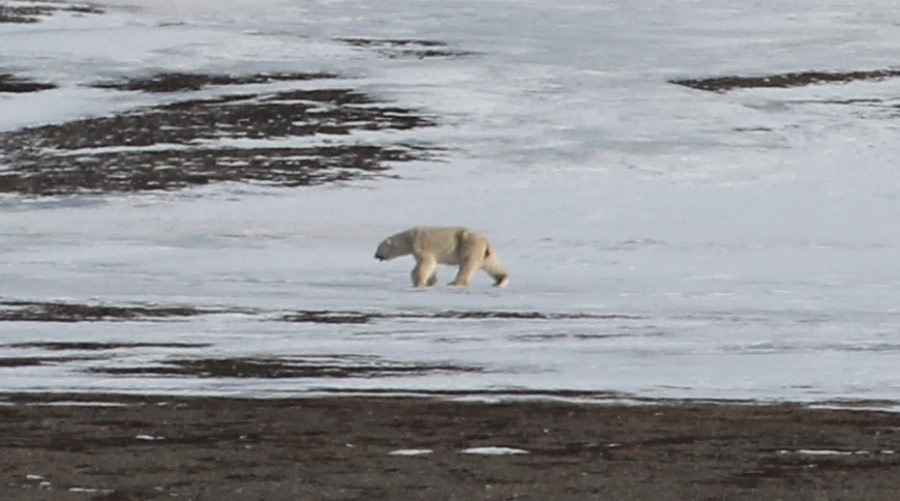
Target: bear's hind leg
493	268
424	273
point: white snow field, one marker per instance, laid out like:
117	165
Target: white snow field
662	241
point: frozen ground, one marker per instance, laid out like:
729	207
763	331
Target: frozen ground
662	241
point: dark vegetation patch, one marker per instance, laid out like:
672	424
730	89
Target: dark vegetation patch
13	84
529	315
177	82
93	346
26	311
362	317
332	317
784	80
398	48
7	362
509	394
191	142
347	366
48	311
32	12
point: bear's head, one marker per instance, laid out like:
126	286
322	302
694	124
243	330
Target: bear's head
386	250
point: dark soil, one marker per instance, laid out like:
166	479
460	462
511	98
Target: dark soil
798	79
178	145
363	317
94	346
32	12
177	82
398	48
346	366
50	311
341	448
11	83
8	362
32	311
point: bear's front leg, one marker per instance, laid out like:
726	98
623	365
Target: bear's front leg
424	274
466	269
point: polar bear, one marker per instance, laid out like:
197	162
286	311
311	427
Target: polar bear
455	245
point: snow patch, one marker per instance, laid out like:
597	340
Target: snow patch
411	452
494	451
824	452
149	437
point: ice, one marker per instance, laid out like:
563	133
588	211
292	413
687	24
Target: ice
737	246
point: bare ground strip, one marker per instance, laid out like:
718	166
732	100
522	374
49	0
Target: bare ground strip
52	311
343	448
335	366
784	80
12	84
12	310
201	140
24	12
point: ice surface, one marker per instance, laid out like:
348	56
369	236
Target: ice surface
742	245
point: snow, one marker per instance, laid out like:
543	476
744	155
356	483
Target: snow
148	437
89	490
744	244
75	403
494	451
411	452
825	452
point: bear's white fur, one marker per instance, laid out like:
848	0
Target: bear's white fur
455	245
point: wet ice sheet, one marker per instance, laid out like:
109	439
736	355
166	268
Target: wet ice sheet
722	245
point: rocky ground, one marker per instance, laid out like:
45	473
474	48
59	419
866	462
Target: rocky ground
114	447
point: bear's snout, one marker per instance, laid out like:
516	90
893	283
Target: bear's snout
383	251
